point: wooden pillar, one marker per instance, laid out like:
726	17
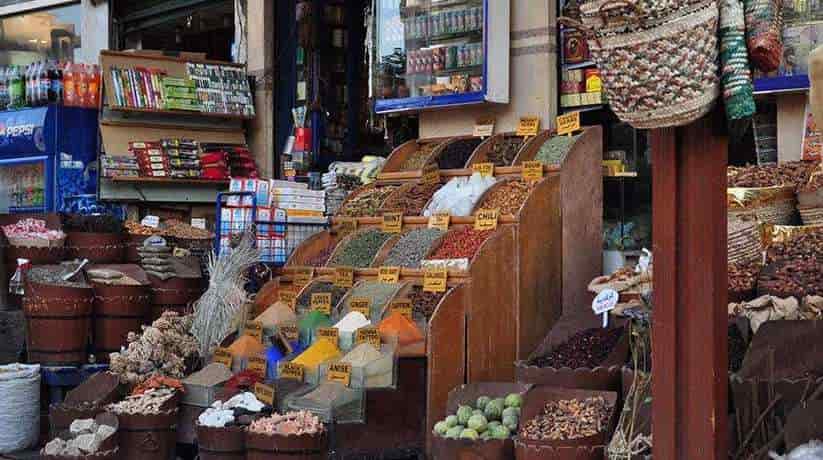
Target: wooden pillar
690	293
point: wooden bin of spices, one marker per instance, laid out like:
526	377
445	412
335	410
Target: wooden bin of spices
227	443
260	446
394	167
482	154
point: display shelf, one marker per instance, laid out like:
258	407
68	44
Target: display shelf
181	112
583	108
169	181
579	65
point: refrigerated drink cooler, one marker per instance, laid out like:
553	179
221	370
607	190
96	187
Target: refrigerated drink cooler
48	159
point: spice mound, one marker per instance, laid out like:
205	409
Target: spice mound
319	287
586	349
359	252
508	197
424	303
151	402
86	437
411	200
162	349
457	153
288	424
460	244
235	411
403	329
412	248
792	173
555	149
177	229
503	152
379	294
419	158
568	419
367	201
459	195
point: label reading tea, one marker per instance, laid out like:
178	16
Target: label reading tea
340	373
568	123
486	219
393	222
264	393
484	169
150	221
321	302
528	126
368	335
223	356
290	332
254	329
483	128
402	306
329	333
287	297
362	305
291	371
440	221
532	170
346	226
303	275
344	277
434	279
388	274
258	365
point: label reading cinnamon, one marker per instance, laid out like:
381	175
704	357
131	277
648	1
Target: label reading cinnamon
532	170
321	302
440	221
258	365
402	306
388	274
344	277
340	373
486	219
362	305
223	356
368	335
264	393
392	222
329	333
484	169
291	371
434	279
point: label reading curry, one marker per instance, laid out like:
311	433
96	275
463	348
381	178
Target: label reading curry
362	305
264	393
486	219
368	335
321	302
344	277
402	306
329	333
392	222
440	221
258	365
287	297
532	170
388	274
223	356
290	332
340	373
528	126
303	275
484	169
291	371
434	279
254	329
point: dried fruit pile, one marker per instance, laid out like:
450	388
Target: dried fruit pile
568	419
794	173
586	349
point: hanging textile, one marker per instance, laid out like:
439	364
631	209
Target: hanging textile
764	33
736	77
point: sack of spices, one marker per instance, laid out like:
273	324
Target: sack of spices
764	33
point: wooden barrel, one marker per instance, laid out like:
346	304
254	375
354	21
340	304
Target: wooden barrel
118	310
148	437
36	255
175	291
58	322
61	416
302	447
99	248
227	443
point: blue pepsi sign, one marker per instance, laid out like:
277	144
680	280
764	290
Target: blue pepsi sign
23	131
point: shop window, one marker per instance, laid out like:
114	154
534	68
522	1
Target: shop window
51	34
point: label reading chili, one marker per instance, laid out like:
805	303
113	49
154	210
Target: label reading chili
321	302
393	222
532	170
344	277
528	126
303	275
329	333
223	356
291	371
362	305
368	335
484	169
402	306
258	365
388	274
434	279
340	373
254	329
440	221
264	393
486	219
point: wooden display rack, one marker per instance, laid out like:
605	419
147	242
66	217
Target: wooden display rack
535	266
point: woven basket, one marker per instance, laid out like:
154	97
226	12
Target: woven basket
657	73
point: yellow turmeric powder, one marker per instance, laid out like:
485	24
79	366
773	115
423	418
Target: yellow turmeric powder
321	351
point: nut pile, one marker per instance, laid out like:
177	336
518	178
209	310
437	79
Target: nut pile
31	229
502	153
424	303
367	202
412	248
792	278
151	402
182	230
162	349
586	349
419	158
568	419
136	228
288	424
805	246
412	200
507	197
361	249
461	243
794	173
457	153
743	276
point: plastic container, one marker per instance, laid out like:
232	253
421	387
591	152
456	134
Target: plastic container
61	416
305	447
349	405
228	443
378	374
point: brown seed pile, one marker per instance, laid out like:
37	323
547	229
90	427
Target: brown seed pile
794	173
568	419
424	303
502	153
367	202
456	154
411	200
743	276
793	278
805	246
507	197
419	158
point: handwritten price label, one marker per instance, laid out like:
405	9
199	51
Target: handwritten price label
483	128
321	302
389	274
258	365
532	170
340	373
303	276
264	393
368	335
484	169
329	333
223	356
362	305
393	222
290	332
287	297
291	371
486	219
344	277
528	126
254	329
440	221
568	123
346	226
434	279
402	306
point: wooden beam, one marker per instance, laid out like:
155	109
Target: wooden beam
690	270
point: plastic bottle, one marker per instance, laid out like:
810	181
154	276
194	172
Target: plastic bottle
3	89
16	88
69	86
56	77
44	83
93	99
81	83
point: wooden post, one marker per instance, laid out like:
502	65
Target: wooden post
690	293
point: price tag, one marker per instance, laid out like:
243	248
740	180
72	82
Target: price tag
181	252
402	306
483	128
532	170
393	222
321	302
290	173
223	356
264	393
346	226
254	329
344	277
484	169
528	126
440	221
361	304
340	373
329	333
287	297
486	219
291	371
368	335
388	274
303	276
150	221
568	123
258	365
431	176
290	332
604	303
434	279
198	222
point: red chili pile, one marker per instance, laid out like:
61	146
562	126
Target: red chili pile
461	244
588	348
